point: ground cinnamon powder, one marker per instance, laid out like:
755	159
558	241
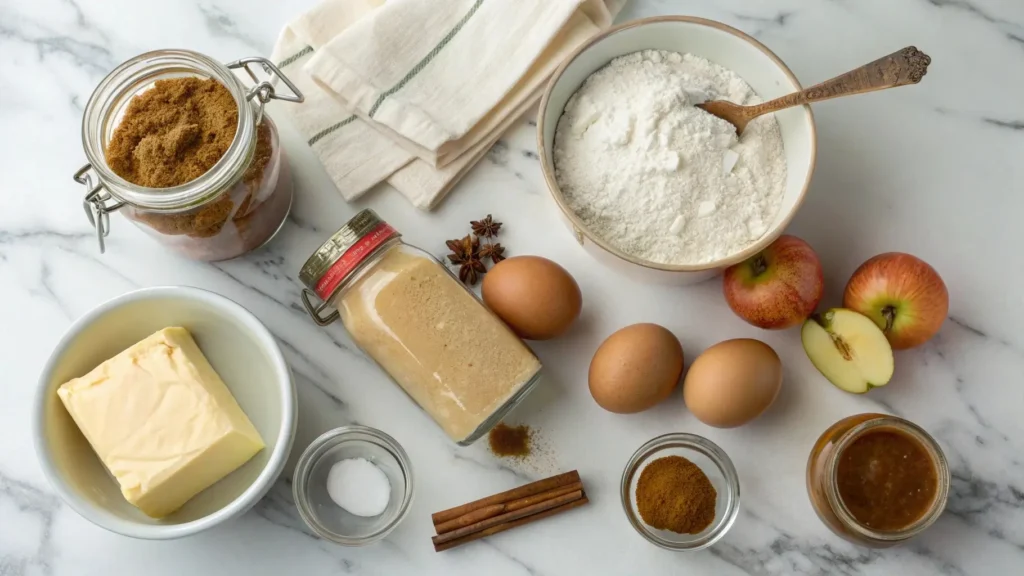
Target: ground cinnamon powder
510	440
174	132
674	494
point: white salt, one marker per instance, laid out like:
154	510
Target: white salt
359	486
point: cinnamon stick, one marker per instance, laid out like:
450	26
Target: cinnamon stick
509	525
507	496
511	506
507	517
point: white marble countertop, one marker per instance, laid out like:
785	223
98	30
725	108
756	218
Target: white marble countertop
934	170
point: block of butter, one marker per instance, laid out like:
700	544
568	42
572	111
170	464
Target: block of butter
162	421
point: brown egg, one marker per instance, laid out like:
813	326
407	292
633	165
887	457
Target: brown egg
733	382
635	368
537	298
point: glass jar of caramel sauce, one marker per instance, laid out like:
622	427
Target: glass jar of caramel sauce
877	480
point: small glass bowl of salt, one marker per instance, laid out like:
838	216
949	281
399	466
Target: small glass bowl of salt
353	485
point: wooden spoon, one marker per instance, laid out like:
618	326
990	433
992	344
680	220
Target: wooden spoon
906	66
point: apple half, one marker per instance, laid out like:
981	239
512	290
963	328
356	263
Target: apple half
848	349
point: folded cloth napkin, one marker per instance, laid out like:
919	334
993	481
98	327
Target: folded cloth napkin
415	92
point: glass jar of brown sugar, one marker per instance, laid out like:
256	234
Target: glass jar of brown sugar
184	150
447	351
877	480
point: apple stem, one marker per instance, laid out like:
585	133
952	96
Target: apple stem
889	313
759	263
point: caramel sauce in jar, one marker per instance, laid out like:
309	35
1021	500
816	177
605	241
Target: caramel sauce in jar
886	479
877	480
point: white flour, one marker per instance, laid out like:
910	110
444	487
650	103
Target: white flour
644	169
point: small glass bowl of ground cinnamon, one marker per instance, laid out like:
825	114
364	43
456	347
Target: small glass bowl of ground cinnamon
680	492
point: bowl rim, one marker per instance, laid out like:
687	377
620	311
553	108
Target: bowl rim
285	437
580	230
340	435
695	443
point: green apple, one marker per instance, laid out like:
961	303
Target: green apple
848	349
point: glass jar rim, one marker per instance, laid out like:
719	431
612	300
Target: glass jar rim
124	81
934	452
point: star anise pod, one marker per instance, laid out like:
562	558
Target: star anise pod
466	253
463	249
486	228
496	252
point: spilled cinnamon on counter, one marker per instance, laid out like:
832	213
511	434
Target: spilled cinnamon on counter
513	441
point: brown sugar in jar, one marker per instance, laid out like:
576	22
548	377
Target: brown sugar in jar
174	132
186	152
877	480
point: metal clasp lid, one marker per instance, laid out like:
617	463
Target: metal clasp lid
96	204
314	311
324	273
263	90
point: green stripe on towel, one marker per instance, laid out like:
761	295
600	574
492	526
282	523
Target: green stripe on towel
291	59
316	137
426	59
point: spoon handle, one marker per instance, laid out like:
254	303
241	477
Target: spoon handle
906	66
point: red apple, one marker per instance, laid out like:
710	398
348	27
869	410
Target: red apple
902	294
777	288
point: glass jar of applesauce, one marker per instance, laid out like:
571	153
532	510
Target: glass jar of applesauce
236	205
877	480
436	340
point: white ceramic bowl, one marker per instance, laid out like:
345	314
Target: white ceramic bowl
240	349
721	44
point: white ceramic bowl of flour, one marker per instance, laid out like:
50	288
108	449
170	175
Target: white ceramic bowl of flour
723	45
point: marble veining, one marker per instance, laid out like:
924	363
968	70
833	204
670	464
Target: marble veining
934	170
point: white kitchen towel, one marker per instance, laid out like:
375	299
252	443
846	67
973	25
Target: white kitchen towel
497	76
355	156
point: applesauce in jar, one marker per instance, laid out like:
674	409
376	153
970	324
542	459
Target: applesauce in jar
457	360
877	480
